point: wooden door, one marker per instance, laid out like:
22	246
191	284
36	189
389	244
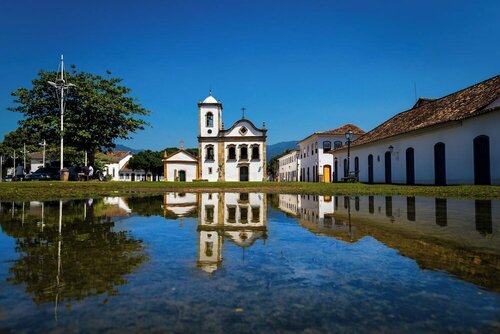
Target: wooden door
327	173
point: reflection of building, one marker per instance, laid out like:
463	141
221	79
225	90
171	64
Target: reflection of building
461	237
317	214
179	205
239	217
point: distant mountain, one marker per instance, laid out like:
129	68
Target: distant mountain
278	148
120	147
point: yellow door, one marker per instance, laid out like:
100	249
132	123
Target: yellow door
327	173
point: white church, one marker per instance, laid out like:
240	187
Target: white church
234	154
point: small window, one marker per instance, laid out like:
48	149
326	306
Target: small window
244	153
337	144
244	197
243	215
210	120
231	153
327	146
255	152
255	214
231	214
209	170
210	153
209	213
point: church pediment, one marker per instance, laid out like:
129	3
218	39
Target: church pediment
244	128
181	156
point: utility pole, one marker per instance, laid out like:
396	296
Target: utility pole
24	157
61	85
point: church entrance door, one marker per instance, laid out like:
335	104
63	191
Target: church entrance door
244	173
182	176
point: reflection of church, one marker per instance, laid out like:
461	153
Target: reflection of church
237	217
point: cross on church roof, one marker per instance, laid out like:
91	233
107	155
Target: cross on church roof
243	111
181	143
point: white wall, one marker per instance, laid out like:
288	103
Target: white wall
115	167
288	164
458	139
309	158
173	169
255	166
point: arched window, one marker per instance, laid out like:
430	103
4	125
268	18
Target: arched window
210	120
255	152
337	144
243	152
231	153
356	164
327	146
209	152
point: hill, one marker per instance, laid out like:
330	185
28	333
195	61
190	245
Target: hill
278	148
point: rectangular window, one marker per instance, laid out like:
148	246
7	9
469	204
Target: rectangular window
209	170
255	152
243	215
255	214
231	214
232	153
209	213
327	146
243	153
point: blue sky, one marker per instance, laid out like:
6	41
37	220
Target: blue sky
300	66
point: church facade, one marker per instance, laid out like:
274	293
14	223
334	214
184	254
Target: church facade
234	154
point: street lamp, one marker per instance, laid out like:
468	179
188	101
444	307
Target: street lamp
348	136
61	85
43	144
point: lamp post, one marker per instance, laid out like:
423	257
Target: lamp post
61	85
44	144
348	136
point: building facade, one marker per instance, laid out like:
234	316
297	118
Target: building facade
316	163
180	166
288	166
234	154
114	162
451	140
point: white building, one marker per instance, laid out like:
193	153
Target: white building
134	175
234	154
451	140
288	167
237	217
315	161
180	166
114	162
180	205
36	161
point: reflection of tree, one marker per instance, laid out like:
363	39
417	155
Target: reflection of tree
146	206
80	258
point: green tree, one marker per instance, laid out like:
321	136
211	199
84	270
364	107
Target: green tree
98	111
149	161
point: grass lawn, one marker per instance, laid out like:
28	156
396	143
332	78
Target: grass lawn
46	190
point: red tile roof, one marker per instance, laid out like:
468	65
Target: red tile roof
340	131
457	106
115	156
